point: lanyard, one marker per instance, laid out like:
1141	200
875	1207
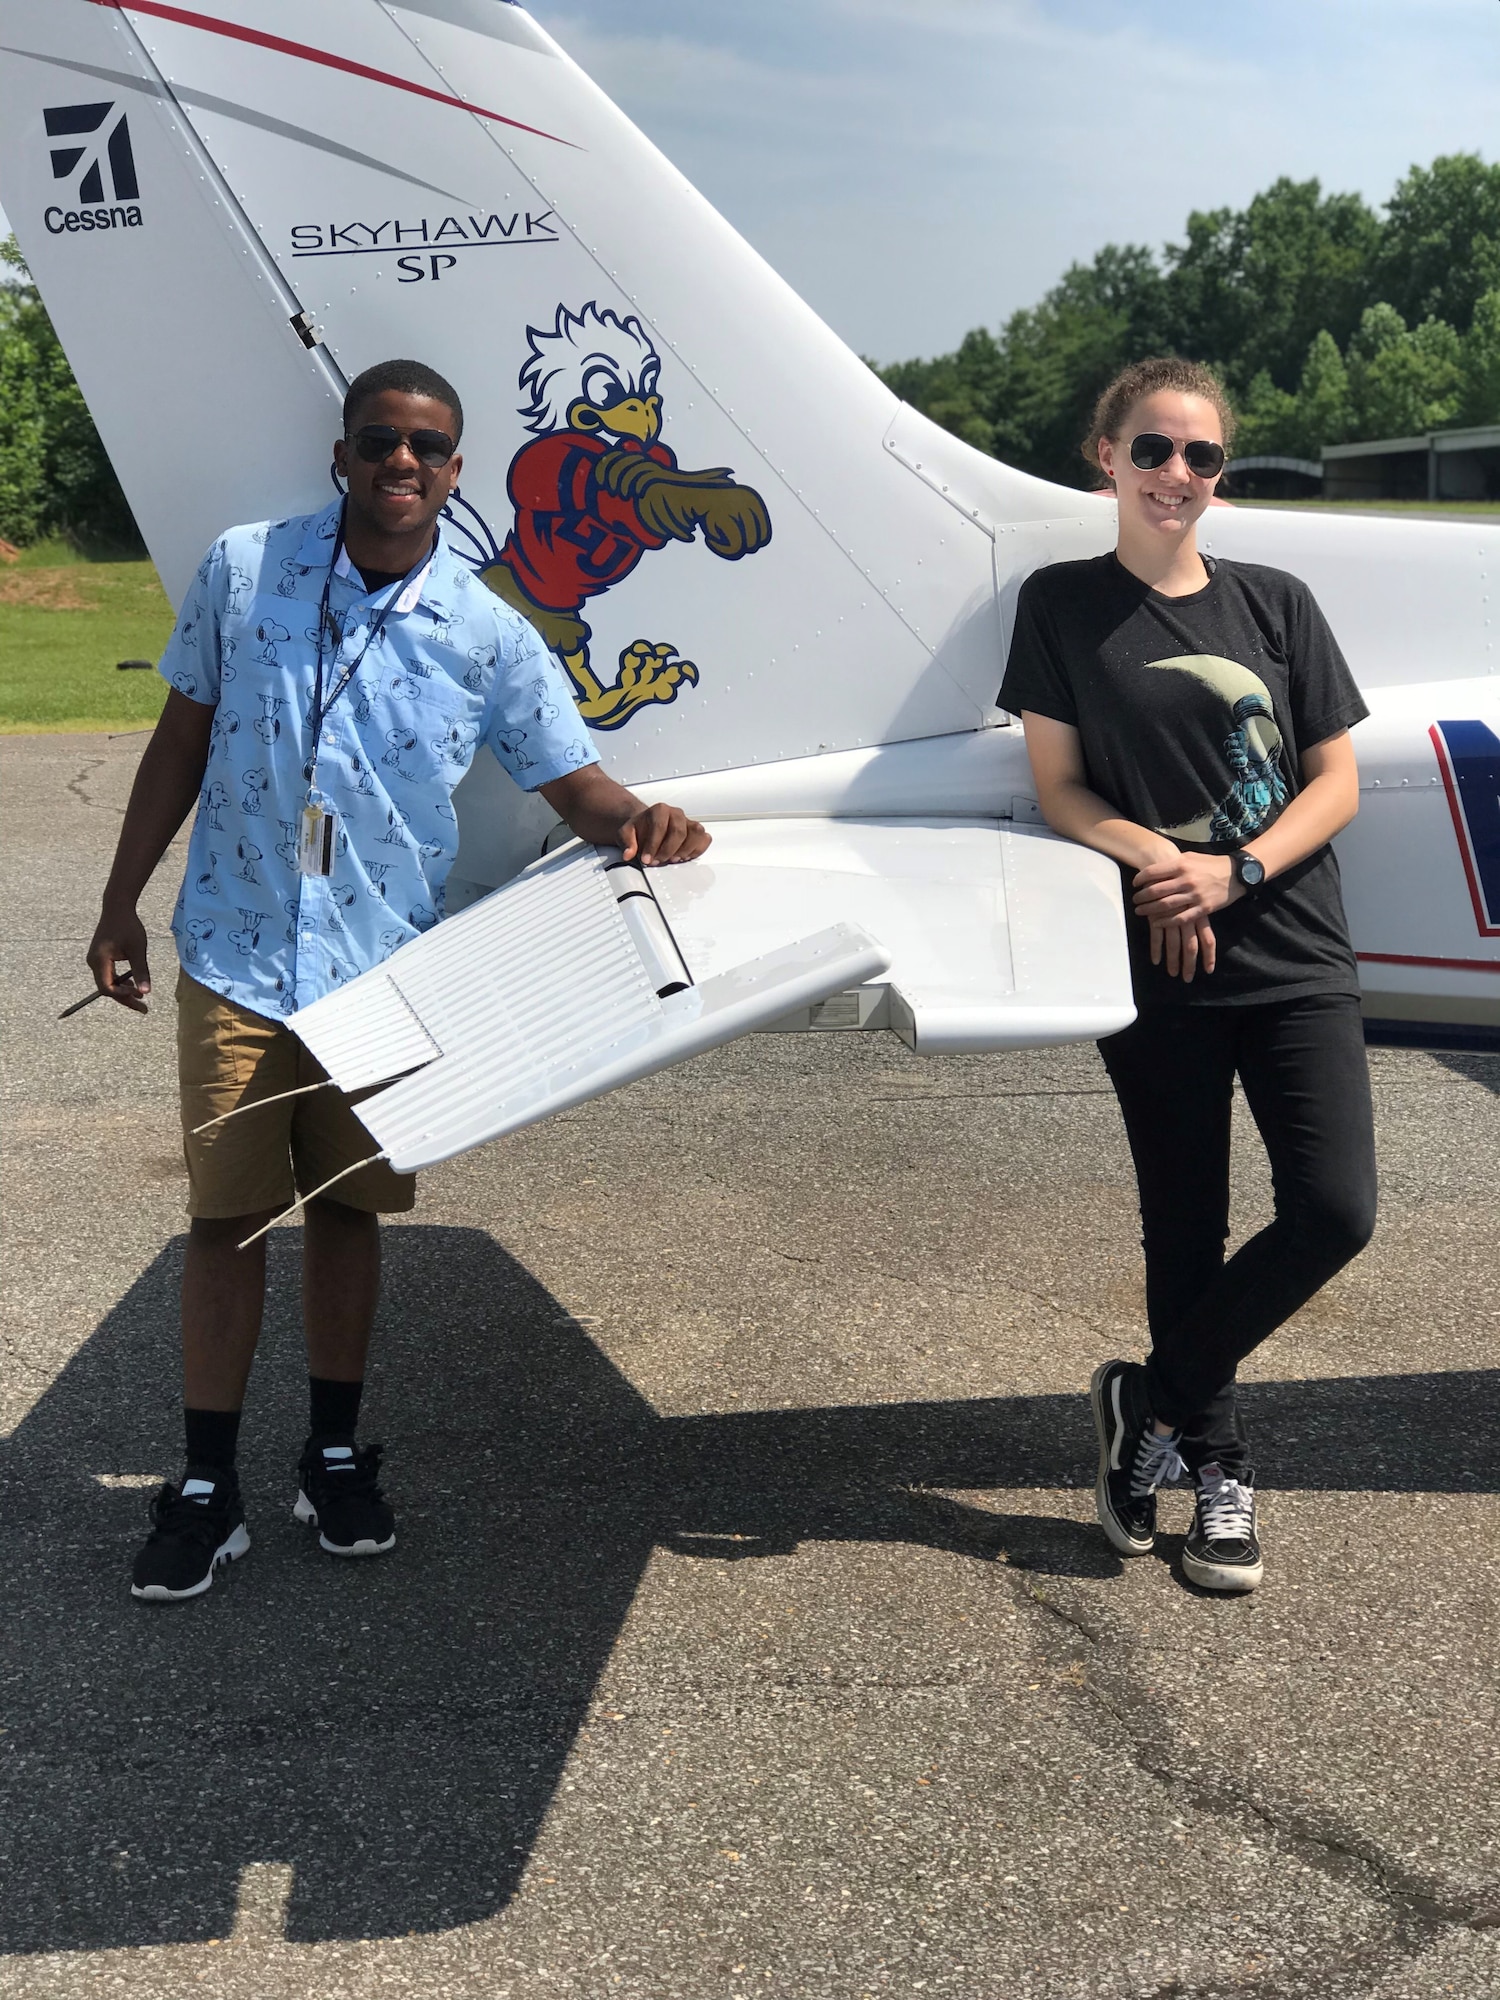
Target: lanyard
321	707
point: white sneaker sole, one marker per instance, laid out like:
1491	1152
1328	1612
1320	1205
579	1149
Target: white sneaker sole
1125	1543
1221	1576
307	1514
227	1552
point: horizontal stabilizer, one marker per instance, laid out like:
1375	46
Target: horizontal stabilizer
1000	936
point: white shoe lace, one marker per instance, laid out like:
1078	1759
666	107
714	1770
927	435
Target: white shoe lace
1226	1509
1157	1463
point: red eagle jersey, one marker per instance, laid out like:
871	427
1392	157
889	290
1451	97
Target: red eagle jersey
570	540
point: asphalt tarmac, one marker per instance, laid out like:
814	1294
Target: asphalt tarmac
748	1633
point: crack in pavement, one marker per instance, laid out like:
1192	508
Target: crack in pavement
1009	1288
78	787
1340	1855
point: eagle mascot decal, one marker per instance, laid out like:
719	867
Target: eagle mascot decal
593	490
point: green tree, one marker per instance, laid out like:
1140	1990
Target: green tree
957	390
1029	394
1058	355
55	475
1440	249
1481	363
1403	381
1268	421
1251	290
1325	410
1321	412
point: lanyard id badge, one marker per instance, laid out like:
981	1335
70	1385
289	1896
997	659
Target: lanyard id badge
317	836
318	826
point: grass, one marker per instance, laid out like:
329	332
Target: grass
64	622
66	618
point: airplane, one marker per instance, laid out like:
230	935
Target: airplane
792	621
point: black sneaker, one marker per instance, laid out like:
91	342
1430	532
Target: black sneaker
1221	1551
194	1528
1133	1460
341	1498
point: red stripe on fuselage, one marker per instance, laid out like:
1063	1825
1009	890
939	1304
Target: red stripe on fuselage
185	19
1447	964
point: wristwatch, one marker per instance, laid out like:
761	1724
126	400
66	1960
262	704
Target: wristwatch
1249	872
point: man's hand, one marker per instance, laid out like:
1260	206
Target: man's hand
659	834
166	784
121	935
598	809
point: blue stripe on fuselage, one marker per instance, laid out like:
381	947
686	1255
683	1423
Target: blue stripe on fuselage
1474	752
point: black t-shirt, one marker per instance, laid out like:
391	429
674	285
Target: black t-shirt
1193	714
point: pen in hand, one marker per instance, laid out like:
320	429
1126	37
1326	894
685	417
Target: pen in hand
88	1001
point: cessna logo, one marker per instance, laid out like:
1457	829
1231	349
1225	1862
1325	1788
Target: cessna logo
92	150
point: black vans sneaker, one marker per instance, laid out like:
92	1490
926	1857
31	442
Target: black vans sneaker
1133	1460
1221	1551
194	1528
341	1498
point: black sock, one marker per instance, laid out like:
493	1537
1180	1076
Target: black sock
211	1437
333	1406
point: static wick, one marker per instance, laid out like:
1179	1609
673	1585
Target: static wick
303	1199
302	1090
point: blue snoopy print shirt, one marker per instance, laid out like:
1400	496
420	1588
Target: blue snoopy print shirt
452	669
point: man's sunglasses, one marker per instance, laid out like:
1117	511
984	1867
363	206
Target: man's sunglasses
376	442
1151	450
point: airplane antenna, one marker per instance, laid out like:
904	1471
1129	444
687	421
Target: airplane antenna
476	531
302	1090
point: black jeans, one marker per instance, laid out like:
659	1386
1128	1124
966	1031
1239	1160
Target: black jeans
1303	1067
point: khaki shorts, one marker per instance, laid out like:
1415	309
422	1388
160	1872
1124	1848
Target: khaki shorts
227	1056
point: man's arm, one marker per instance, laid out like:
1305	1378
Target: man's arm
598	809
165	789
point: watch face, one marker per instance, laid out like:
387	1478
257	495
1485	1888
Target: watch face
1252	872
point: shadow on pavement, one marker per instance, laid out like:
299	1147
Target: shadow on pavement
396	1730
1476	1068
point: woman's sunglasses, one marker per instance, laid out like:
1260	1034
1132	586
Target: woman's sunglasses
376	442
1151	450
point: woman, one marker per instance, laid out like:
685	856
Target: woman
1189	716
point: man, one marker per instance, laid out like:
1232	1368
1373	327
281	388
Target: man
331	679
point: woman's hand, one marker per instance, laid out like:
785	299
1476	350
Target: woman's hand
1185	886
1186	943
1177	895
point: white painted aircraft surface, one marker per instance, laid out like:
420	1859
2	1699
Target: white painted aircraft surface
231	208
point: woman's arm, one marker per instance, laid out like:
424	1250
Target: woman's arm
1198	884
1072	809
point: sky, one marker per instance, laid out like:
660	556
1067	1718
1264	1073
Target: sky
915	168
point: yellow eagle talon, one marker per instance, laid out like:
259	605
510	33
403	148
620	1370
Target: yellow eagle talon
647	673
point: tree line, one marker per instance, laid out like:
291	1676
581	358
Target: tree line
1326	321
55	475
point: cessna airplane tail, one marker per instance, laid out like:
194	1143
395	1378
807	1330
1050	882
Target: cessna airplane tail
781	597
